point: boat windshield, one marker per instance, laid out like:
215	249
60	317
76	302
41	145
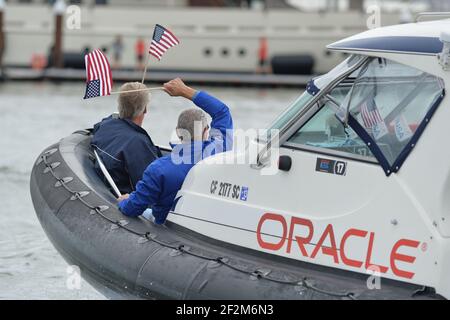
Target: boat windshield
321	82
389	101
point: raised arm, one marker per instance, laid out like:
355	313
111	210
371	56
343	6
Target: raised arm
222	123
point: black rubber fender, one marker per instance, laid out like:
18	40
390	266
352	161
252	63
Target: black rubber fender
293	64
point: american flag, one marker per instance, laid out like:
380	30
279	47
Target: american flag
370	114
162	40
98	75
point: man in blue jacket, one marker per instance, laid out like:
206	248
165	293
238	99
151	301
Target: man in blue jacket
123	145
164	177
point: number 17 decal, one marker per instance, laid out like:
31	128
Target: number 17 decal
331	166
340	168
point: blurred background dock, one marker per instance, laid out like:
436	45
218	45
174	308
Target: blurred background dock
255	42
210	78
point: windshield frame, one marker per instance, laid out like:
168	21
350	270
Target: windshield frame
304	114
313	95
361	131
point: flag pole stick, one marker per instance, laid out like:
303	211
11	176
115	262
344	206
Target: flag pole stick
137	90
145	68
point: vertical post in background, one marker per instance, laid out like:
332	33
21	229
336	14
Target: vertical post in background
58	9
2	36
356	5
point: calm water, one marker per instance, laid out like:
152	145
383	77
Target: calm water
35	115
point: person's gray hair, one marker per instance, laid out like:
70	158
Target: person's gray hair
191	123
132	104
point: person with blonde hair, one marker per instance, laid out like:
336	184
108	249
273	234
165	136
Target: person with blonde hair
124	146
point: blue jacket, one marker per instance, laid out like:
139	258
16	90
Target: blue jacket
126	150
164	177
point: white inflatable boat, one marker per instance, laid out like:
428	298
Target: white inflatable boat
355	185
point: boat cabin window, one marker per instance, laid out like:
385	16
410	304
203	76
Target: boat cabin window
291	111
389	100
298	105
324	130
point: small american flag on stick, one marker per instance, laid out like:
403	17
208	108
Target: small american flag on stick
98	75
162	40
372	118
370	114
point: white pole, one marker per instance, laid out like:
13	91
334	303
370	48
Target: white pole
107	175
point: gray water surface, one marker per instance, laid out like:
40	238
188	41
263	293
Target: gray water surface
36	115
